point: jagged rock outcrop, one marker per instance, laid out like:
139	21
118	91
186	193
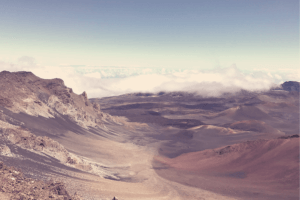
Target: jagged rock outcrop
50	98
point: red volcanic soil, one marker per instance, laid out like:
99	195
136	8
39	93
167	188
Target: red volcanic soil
261	169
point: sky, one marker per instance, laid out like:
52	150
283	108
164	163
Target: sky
92	38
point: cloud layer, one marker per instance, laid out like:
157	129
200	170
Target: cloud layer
207	83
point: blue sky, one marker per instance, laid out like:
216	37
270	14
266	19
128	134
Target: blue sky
110	47
199	34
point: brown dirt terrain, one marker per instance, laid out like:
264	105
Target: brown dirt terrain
261	169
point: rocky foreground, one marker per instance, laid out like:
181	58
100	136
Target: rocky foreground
17	187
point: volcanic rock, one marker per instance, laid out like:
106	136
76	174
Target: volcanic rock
23	92
14	184
5	151
291	86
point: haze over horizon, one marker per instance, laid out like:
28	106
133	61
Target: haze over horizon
104	82
115	47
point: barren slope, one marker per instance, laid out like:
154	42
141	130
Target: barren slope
261	169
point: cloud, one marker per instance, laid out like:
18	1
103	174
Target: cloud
93	75
27	61
207	83
24	63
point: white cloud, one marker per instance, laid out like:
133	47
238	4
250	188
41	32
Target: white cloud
207	83
93	75
278	76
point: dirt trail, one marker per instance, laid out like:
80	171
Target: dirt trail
151	187
125	170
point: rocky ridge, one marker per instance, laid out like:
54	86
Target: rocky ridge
23	92
49	98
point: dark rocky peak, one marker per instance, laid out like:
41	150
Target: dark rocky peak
4	74
18	76
50	84
28	77
84	95
291	86
55	83
24	74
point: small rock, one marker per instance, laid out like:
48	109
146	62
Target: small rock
96	106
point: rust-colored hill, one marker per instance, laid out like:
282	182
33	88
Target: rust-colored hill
261	169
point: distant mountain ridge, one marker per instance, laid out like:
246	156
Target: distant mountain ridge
291	86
